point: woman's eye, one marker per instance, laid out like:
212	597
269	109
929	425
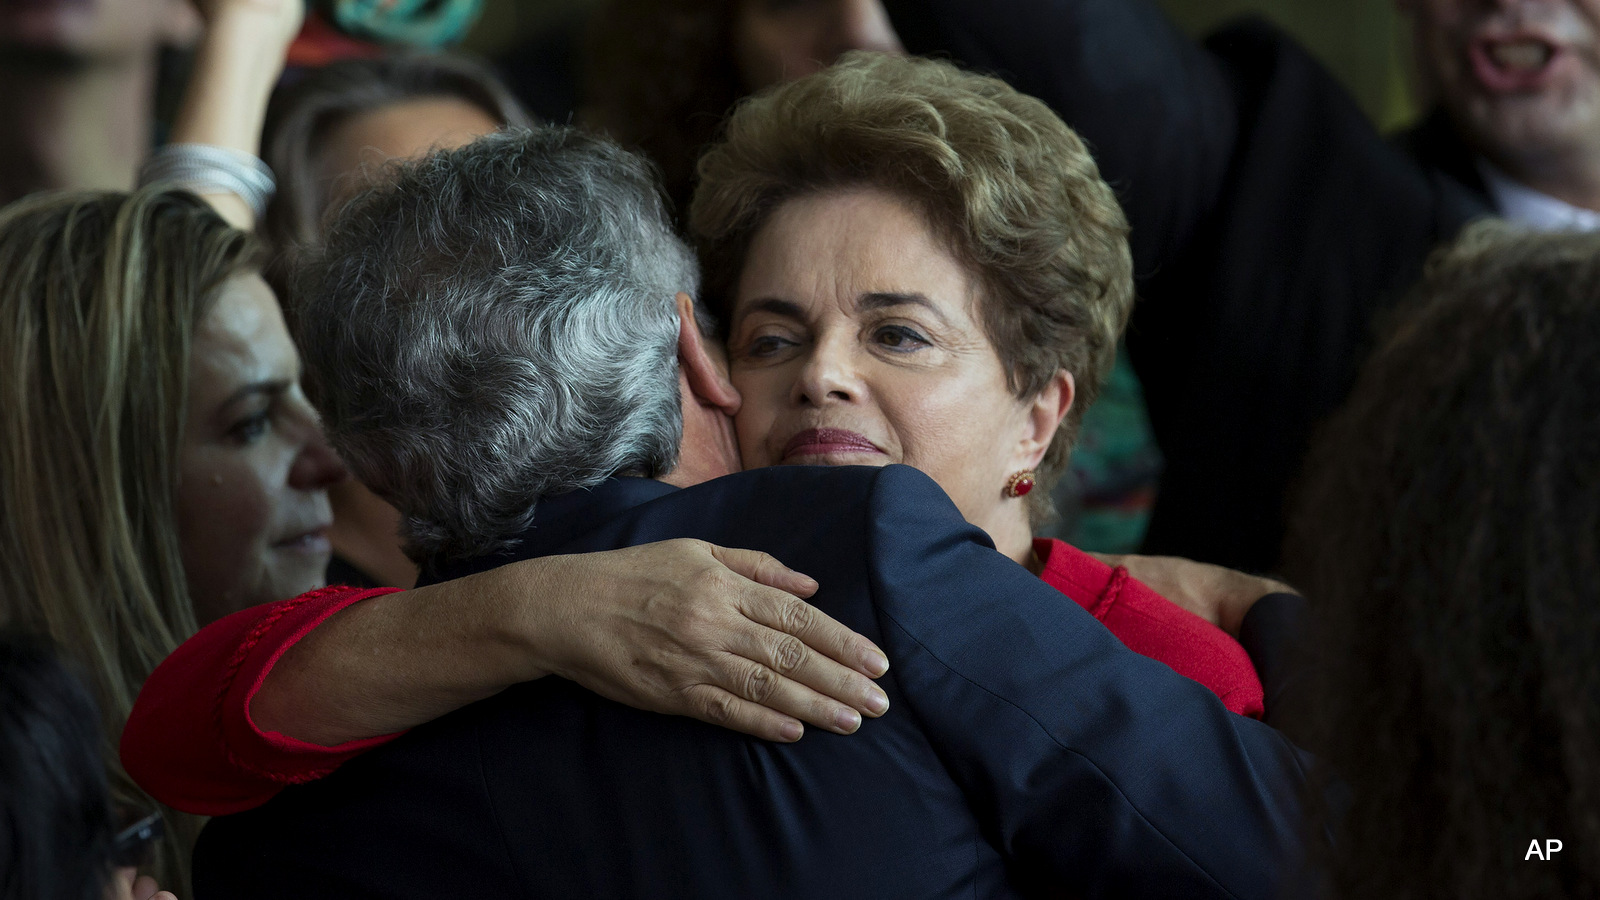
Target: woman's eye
767	345
248	431
899	337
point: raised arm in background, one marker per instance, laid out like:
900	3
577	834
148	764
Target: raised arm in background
236	65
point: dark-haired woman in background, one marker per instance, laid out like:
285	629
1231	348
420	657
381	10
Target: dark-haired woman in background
327	133
56	818
330	122
1450	538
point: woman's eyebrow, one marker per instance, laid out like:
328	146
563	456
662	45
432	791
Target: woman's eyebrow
879	300
772	305
258	387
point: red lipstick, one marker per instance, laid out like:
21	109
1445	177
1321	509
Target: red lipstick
827	442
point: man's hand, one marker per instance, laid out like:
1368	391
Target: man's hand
1220	596
689	628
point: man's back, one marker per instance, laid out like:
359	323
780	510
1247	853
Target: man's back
1017	758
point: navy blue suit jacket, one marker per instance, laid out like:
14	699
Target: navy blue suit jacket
1026	753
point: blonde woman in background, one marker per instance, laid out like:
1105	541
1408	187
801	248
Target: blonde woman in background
160	467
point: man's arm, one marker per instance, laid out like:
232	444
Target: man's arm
284	693
1156	110
1099	772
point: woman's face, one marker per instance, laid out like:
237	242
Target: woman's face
361	144
780	40
253	512
855	340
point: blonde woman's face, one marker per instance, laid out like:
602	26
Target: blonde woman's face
855	339
253	513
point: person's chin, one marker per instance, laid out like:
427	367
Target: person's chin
1513	126
300	565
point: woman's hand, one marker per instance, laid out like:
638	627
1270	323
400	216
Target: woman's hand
1220	596
128	884
725	636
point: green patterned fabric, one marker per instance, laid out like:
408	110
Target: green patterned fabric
424	24
1106	496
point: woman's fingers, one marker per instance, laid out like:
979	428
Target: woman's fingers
814	628
765	569
792	644
712	704
689	628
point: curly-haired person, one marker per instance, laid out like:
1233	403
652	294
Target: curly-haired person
1450	536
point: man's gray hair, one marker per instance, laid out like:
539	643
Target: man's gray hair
496	324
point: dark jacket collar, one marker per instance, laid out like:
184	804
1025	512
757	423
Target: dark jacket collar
1434	143
557	520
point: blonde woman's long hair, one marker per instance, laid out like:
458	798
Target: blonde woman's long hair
100	296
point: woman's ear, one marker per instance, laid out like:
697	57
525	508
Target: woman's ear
1044	415
704	364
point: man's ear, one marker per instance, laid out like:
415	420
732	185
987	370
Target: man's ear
1049	407
704	366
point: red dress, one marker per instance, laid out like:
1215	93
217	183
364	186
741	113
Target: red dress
200	752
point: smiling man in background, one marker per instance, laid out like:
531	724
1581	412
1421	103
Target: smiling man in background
1515	91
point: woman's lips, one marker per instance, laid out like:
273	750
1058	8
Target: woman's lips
1515	64
827	442
315	541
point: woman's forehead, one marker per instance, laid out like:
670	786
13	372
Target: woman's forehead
861	249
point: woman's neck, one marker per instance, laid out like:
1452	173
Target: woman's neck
73	124
1013	535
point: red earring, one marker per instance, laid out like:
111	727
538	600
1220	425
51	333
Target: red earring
1020	483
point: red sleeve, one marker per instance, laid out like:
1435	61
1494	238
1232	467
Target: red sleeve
1151	625
190	741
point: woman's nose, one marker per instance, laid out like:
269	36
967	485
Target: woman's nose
828	376
317	467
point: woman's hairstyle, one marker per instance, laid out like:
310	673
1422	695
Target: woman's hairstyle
300	117
526	347
659	78
1450	536
55	816
98	308
1009	187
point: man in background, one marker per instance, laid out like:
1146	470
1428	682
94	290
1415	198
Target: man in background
1514	87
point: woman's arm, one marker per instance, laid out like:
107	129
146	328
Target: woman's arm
236	65
680	627
286	692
